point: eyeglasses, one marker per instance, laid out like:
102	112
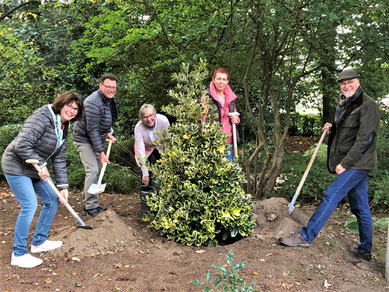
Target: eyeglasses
109	87
147	117
349	82
74	109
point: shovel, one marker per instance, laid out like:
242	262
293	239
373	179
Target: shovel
291	204
99	188
235	141
34	162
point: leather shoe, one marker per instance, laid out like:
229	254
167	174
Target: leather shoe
92	212
366	256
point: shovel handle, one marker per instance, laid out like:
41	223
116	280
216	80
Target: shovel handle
104	164
34	162
310	163
234	138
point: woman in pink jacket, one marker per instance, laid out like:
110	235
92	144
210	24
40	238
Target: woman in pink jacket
223	103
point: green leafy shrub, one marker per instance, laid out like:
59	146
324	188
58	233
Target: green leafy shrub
200	199
305	124
7	134
293	169
229	279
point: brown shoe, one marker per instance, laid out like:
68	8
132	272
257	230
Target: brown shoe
366	256
294	239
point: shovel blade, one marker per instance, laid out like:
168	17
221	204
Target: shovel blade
291	208
96	189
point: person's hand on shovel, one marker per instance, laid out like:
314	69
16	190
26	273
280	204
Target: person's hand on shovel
44	173
65	196
234	119
327	127
103	157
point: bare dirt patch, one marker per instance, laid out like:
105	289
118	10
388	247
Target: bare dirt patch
122	253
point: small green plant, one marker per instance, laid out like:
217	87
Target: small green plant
352	224
228	280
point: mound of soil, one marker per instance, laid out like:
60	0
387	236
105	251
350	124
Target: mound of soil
273	219
109	234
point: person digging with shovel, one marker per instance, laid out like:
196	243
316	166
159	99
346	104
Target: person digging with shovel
89	135
351	155
44	138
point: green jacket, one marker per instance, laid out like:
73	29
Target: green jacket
352	141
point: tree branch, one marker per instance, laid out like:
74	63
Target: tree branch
8	13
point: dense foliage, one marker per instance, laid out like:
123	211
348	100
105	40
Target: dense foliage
200	199
280	54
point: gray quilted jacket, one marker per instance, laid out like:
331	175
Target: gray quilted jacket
37	140
99	115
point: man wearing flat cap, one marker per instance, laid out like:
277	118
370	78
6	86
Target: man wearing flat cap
351	155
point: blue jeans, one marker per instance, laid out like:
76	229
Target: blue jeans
24	189
354	183
230	152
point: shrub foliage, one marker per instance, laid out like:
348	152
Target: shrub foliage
200	199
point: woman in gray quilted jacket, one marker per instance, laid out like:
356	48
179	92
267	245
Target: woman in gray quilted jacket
44	137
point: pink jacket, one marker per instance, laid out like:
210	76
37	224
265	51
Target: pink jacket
224	110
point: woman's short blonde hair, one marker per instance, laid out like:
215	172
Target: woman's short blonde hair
144	108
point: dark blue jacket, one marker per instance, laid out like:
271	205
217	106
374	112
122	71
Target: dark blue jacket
99	115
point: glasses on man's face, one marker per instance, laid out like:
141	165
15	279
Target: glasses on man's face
346	83
109	87
147	117
74	109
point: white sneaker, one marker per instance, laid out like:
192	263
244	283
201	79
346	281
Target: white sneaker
25	261
46	246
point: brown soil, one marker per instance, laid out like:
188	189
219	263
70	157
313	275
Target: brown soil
299	143
122	253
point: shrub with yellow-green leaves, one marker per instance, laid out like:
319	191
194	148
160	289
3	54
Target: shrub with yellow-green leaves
200	199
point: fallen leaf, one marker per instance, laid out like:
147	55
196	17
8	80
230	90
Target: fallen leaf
11	277
326	284
286	285
48	281
255	273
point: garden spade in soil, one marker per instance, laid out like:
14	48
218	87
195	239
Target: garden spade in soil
99	188
34	162
291	204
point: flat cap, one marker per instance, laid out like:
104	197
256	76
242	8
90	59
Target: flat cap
347	75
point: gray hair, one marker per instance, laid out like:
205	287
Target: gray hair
144	108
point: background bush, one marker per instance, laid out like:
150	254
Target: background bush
305	124
7	134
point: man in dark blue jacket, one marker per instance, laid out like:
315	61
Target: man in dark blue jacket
351	155
90	133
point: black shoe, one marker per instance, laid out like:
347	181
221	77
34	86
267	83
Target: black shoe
366	256
92	212
101	209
